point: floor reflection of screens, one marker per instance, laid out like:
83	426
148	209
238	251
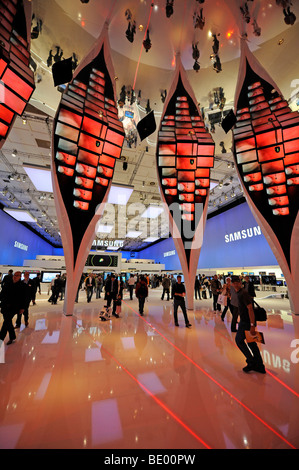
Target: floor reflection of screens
105	422
152	382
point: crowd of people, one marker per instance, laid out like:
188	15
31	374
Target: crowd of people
235	293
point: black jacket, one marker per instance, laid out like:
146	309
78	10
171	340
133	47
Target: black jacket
13	298
113	289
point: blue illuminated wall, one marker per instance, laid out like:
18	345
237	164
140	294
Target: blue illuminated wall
231	239
11	231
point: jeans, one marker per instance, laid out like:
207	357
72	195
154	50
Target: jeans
176	304
26	317
228	305
141	301
89	293
131	289
197	291
7	327
235	314
165	291
250	350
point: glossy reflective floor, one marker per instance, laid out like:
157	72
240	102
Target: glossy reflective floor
141	383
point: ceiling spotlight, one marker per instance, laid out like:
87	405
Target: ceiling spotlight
220	184
4	191
14	153
11	177
24	120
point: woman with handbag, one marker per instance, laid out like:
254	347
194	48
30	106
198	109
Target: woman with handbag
227	292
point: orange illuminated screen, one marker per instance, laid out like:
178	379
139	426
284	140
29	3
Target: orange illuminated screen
86	170
112	150
87	195
88	158
85	182
66	158
91	126
3	129
11	100
81	205
102	181
106	160
66	171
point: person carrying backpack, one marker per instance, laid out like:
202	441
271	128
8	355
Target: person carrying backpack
141	293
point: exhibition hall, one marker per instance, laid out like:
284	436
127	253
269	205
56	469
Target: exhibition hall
149	196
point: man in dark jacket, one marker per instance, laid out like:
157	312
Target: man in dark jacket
141	293
29	285
111	291
7	278
247	323
35	287
179	293
13	302
216	289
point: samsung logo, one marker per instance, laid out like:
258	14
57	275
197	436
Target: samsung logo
118	243
21	246
242	234
169	253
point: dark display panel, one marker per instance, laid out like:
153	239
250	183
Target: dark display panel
102	261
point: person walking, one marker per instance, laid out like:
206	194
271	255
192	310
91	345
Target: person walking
29	285
197	288
131	283
141	293
166	287
56	289
90	285
247	323
111	292
179	293
216	289
249	286
36	287
7	278
13	302
227	292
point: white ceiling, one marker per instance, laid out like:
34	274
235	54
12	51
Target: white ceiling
74	26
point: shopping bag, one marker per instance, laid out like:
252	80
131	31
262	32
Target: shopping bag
222	300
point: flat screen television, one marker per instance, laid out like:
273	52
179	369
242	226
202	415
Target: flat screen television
47	276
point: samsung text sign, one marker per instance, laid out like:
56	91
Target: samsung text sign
243	234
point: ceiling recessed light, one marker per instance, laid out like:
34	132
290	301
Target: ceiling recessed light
21	216
133	234
152	212
41	178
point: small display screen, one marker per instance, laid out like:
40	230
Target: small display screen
49	276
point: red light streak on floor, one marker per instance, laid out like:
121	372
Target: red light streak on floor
216	382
